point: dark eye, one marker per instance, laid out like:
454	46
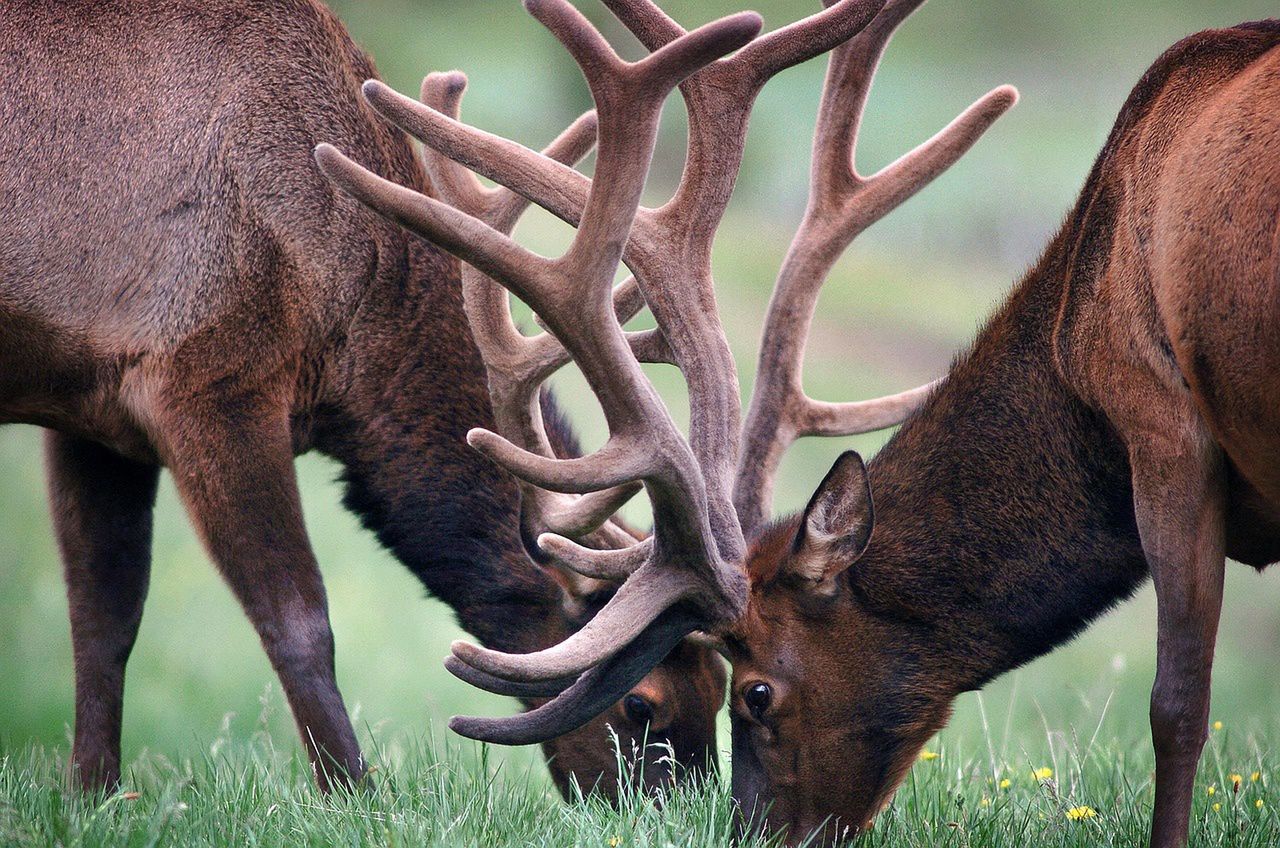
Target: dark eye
638	709
757	698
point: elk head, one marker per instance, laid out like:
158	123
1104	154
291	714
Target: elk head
796	693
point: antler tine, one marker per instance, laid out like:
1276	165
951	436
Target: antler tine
593	692
842	204
651	589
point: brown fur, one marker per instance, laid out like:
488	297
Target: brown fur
180	287
1117	418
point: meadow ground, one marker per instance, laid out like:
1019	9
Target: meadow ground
427	792
212	753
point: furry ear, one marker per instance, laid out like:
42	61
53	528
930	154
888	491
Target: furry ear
836	526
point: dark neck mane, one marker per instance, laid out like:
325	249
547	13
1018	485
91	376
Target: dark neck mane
416	387
1004	520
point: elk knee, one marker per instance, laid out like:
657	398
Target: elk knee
299	643
1179	719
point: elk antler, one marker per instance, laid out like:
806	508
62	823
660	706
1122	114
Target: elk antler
683	571
687	575
842	203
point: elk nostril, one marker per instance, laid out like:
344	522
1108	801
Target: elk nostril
638	709
757	698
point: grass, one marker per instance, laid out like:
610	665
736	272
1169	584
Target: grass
1075	790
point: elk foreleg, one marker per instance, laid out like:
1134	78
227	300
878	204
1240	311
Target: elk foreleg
101	505
232	462
1179	496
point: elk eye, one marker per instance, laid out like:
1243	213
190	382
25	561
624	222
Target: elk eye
757	698
638	709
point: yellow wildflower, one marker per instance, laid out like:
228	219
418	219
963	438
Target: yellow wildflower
1217	725
1255	777
1006	783
1217	807
1236	780
929	755
1081	813
613	842
1258	803
985	802
1212	790
1042	773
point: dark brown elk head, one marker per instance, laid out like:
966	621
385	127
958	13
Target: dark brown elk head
794	751
824	727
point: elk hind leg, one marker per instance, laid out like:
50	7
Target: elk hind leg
102	508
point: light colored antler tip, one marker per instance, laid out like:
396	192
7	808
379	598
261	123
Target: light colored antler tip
326	155
476	436
370	88
1009	93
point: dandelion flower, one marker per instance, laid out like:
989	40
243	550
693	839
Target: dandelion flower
1212	790
1236	780
1258	803
985	802
613	842
1042	773
1081	813
1217	725
1006	783
1255	777
1217	807
927	756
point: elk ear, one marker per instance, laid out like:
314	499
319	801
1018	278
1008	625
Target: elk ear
837	524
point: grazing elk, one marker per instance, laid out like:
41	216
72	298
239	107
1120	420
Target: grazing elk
1117	418
180	287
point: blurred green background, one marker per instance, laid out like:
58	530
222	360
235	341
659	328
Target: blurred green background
907	296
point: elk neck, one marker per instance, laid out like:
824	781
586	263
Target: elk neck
412	385
1004	514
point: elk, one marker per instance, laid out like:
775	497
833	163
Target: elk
1116	419
181	288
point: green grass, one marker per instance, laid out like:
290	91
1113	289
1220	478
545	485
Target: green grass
1075	789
